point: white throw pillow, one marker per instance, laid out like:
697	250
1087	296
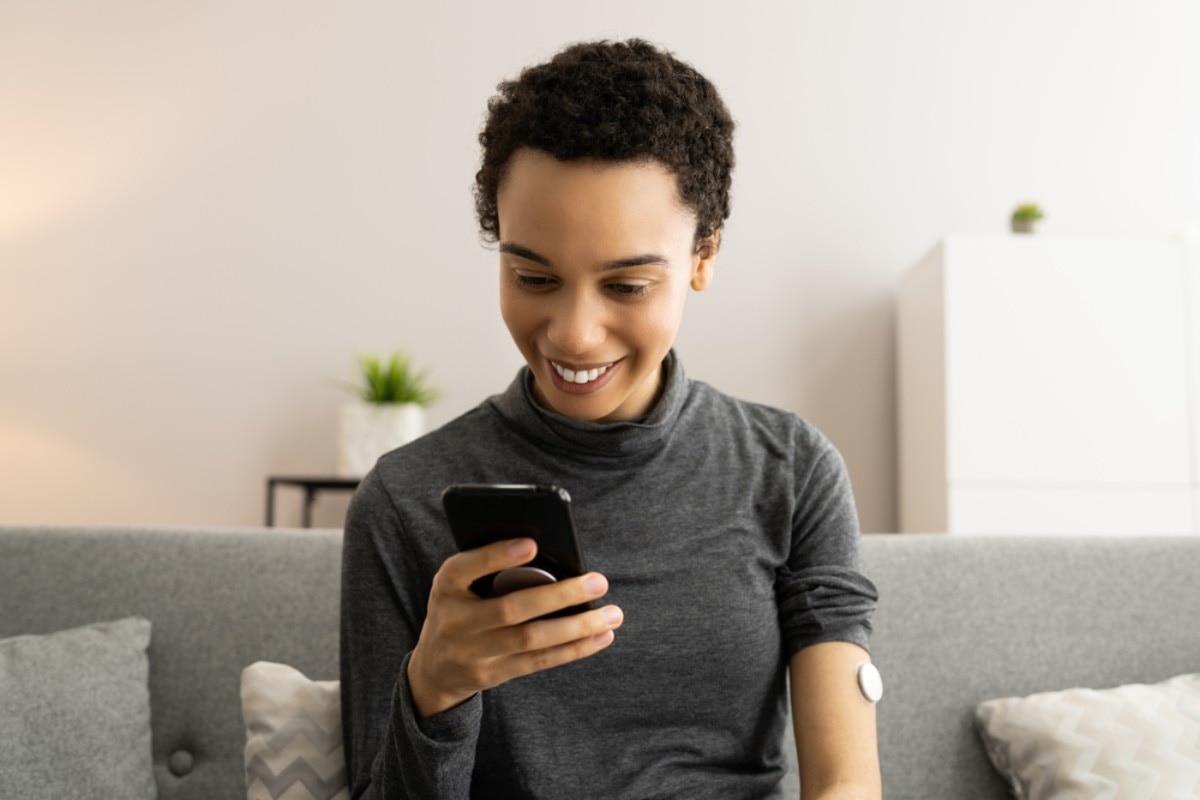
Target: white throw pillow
293	735
1135	741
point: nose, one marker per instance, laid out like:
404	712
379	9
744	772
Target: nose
577	323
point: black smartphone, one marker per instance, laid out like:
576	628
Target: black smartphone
480	514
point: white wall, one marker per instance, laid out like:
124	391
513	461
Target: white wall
207	209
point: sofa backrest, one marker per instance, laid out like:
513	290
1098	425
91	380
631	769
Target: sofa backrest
218	600
964	619
961	620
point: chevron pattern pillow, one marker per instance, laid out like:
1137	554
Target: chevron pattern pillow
293	735
1136	741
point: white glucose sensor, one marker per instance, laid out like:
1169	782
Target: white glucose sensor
870	682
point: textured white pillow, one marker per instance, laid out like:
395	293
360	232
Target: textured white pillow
293	735
1135	741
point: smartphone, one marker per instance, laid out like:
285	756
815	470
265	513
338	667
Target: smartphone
480	514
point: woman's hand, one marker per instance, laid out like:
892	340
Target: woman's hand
469	644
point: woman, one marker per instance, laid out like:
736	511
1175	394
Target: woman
723	532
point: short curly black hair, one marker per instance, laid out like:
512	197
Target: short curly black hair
613	101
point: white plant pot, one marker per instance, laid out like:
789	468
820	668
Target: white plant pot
368	430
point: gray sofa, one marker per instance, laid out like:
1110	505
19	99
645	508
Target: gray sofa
962	619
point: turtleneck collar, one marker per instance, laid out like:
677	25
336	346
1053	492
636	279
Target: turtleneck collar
518	406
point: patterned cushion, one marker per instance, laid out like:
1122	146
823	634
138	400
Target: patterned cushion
293	735
1136	741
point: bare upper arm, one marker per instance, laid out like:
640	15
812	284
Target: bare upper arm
836	746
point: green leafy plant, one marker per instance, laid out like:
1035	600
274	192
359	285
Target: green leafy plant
1028	212
393	381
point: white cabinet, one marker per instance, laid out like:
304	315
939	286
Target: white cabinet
1048	385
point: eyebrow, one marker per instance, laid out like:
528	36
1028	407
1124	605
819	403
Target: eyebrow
617	263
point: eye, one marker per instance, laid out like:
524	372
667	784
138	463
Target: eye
532	281
629	289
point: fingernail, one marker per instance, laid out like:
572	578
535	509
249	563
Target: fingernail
611	615
603	638
520	547
595	584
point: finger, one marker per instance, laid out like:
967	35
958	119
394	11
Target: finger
524	605
460	570
528	663
545	634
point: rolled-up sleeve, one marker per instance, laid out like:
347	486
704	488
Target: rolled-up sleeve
824	604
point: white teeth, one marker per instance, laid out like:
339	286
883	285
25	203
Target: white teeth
582	376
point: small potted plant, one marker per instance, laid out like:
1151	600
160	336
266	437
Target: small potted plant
1025	217
389	411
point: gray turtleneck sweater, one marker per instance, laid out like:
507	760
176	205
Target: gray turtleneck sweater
728	534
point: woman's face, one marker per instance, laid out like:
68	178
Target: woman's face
596	260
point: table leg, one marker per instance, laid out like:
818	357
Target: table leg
309	495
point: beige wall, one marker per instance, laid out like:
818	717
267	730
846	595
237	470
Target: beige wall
207	209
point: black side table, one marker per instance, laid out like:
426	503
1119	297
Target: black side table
311	485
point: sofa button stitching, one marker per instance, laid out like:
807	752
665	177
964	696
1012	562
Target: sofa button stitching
180	763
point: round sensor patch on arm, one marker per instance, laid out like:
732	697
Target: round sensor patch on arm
870	682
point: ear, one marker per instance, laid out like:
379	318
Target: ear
704	260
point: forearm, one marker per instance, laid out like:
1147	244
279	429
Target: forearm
388	752
848	791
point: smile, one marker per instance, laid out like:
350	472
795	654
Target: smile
582	381
581	376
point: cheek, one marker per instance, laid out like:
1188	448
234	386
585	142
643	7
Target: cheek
511	310
659	325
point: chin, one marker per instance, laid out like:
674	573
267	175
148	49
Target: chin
582	410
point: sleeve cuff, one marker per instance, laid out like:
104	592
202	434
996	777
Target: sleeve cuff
451	728
824	604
